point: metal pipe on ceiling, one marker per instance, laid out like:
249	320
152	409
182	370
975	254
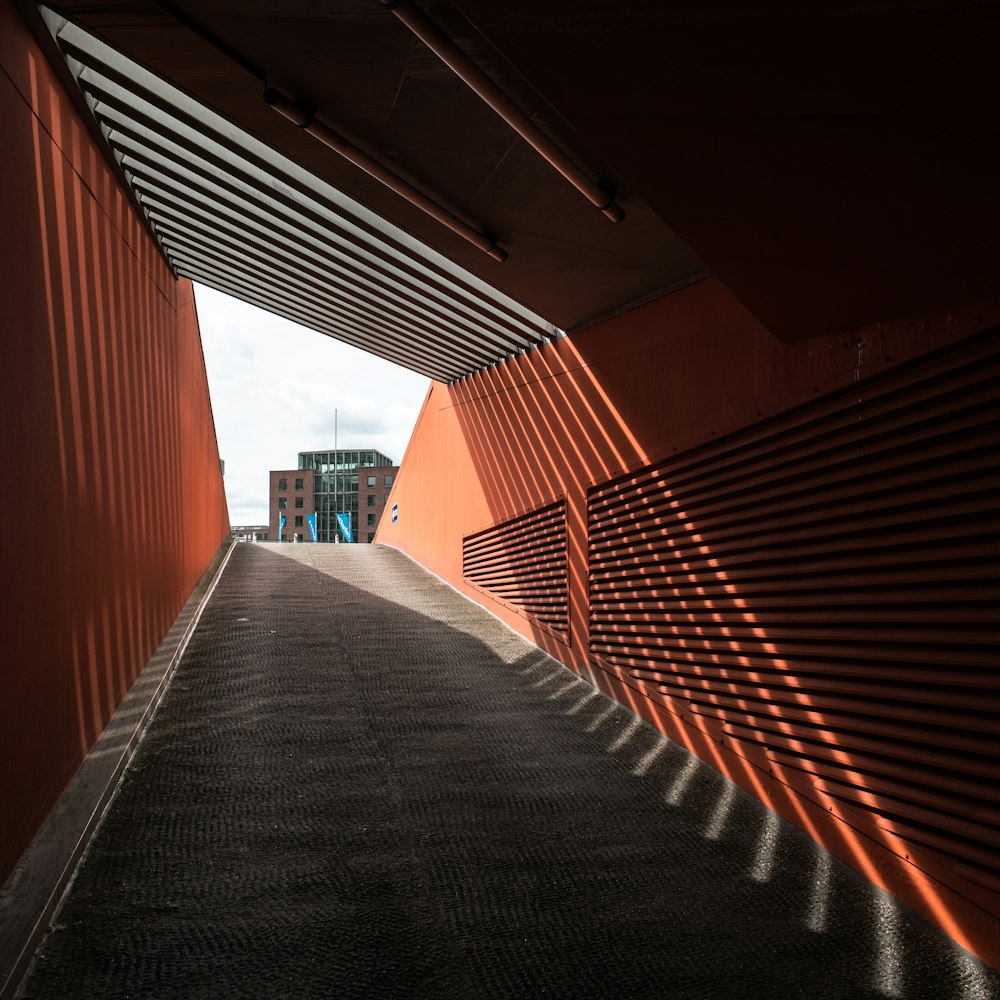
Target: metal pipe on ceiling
304	115
470	74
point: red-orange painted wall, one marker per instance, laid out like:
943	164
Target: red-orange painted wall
637	389
114	503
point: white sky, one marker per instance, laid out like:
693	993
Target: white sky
274	387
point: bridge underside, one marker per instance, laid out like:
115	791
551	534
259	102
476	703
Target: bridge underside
750	493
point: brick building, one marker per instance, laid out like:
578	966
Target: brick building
374	487
291	496
348	481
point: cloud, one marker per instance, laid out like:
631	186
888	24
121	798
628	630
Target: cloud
274	387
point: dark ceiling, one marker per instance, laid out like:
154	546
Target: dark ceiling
833	164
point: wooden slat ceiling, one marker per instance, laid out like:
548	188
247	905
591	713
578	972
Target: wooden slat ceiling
232	214
831	164
377	85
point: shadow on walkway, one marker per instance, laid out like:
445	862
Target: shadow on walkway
361	785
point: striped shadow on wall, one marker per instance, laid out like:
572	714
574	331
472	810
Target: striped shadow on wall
820	592
522	563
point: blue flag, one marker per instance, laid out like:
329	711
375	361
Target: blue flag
311	521
281	525
344	520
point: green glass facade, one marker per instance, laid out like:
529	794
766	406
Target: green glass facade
335	477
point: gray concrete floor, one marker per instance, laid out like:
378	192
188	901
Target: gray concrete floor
360	784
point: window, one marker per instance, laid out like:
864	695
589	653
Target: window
282	484
386	498
298	520
371	536
371	499
388	481
282	503
298	484
371	482
371	519
298	502
284	537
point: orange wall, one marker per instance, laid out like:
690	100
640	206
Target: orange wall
114	498
637	389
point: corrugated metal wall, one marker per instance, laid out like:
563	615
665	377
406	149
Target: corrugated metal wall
522	562
820	592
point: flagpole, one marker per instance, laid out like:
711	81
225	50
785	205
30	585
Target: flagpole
336	480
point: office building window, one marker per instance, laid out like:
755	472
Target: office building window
388	481
298	502
282	484
371	499
298	520
371	482
371	519
284	537
282	503
371	536
386	498
298	484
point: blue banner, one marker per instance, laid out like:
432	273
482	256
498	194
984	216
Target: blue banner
281	525
344	520
311	521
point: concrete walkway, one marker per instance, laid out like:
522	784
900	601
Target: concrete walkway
361	785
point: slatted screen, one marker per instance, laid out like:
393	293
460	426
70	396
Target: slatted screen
235	215
821	588
523	563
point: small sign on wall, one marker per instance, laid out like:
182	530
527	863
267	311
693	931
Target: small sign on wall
395	512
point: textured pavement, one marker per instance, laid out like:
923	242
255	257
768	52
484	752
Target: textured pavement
361	785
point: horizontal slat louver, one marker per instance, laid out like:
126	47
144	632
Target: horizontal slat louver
822	589
523	563
235	215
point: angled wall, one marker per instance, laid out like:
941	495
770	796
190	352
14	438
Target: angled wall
782	555
115	504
